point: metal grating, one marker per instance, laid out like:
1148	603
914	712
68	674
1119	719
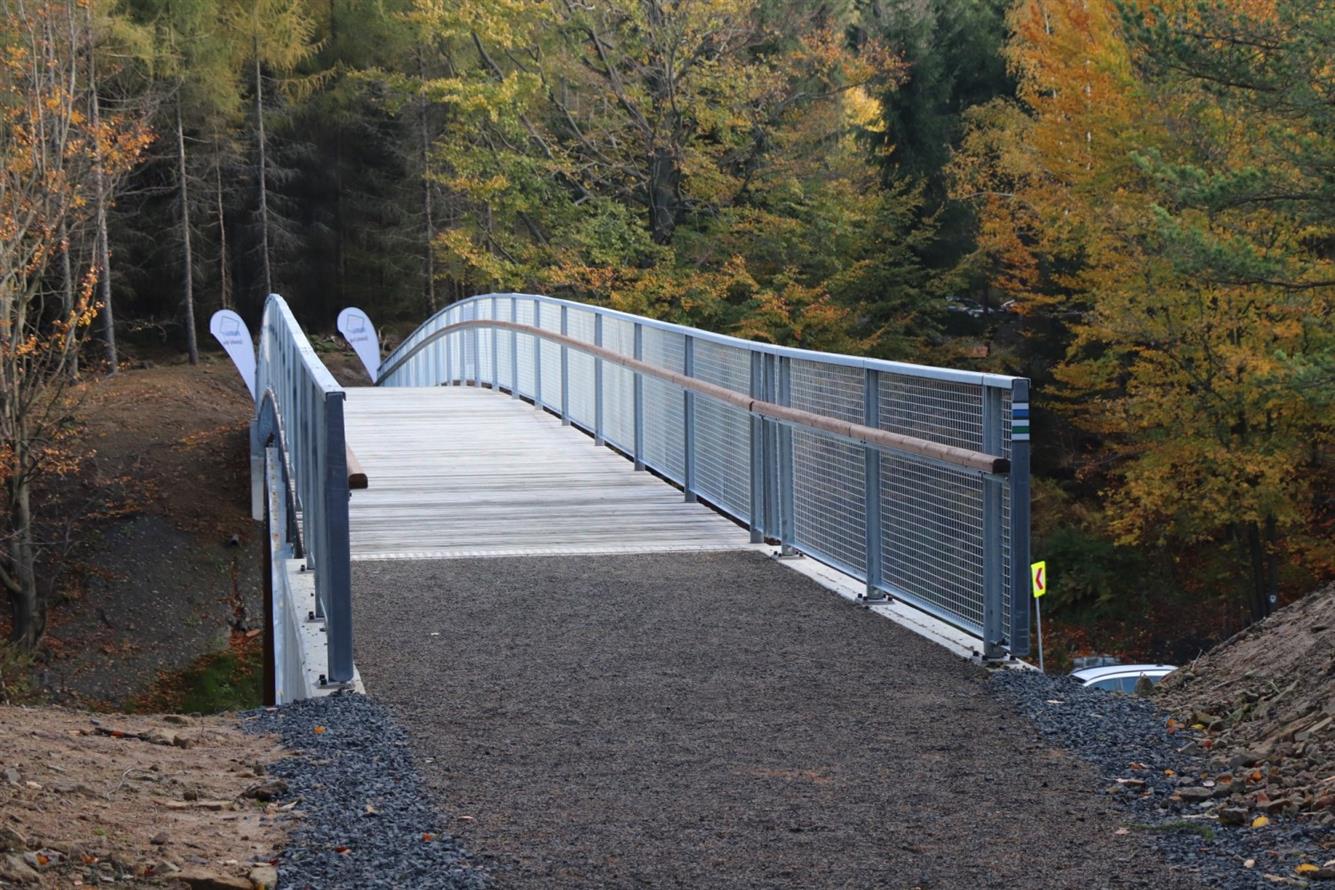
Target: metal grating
664	406
551	357
619	386
932	537
579	324
722	432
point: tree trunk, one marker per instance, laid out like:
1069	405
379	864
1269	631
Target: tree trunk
428	212
664	189
263	168
1260	599
224	288
68	290
27	608
188	261
100	203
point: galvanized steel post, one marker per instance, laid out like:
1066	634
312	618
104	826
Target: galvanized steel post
565	368
1019	504
759	478
597	381
335	571
514	350
871	416
495	352
537	356
688	419
639	400
994	632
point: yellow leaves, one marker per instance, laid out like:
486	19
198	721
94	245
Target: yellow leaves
864	111
1260	822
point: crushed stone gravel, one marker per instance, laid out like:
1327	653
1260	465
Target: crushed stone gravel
1129	741
367	820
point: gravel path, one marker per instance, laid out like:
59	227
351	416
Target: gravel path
367	822
716	720
1142	765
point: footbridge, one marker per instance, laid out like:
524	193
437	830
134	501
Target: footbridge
516	425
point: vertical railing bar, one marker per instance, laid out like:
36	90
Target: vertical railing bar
514	349
639	399
994	634
1019	492
787	524
598	381
688	419
537	356
495	343
871	416
477	346
758	463
565	368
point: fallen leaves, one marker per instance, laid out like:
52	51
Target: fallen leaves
320	730
1260	822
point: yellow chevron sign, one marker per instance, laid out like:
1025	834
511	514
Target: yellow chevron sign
1038	573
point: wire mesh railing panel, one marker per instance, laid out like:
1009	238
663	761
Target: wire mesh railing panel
524	347
936	410
505	353
580	324
831	390
550	320
829	500
664	405
723	432
619	386
932	537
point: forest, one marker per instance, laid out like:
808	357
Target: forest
1132	203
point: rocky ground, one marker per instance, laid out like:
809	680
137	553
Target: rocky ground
113	800
367	820
1264	702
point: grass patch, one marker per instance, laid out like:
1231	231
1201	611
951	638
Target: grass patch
229	680
1177	826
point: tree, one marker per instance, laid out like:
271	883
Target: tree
56	158
1171	205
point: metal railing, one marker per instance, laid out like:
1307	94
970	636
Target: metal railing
913	479
299	440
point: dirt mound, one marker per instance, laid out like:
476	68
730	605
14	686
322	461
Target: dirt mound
1266	702
110	799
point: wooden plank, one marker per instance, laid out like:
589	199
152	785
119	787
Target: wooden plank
466	472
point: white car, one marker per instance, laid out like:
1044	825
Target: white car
1122	677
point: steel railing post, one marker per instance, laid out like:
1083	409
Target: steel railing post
477	346
449	361
639	399
758	475
688	418
495	342
787	522
597	381
871	416
537	356
335	569
994	630
565	368
1019	510
514	350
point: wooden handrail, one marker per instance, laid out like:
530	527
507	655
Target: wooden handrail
876	438
356	475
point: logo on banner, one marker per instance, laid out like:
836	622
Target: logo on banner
228	329
356	328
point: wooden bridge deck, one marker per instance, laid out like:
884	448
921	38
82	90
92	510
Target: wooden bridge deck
463	472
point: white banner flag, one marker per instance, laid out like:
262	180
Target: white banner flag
229	330
357	329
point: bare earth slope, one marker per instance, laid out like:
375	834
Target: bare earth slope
1266	699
